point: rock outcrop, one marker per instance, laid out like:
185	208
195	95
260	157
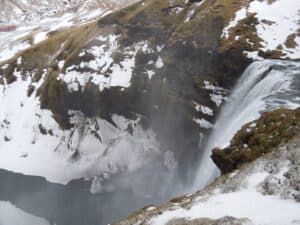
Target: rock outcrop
258	138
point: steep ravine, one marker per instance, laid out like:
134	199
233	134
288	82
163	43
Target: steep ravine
122	108
263	181
141	82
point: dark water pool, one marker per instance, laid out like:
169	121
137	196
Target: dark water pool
70	204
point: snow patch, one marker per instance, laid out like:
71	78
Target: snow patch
159	63
9	215
203	123
239	15
217	99
278	21
39	37
204	109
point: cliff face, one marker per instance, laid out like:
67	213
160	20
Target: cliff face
266	185
154	71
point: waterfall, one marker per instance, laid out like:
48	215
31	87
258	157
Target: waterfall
265	85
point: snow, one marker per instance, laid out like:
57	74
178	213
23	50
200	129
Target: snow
217	99
159	48
260	209
203	123
159	63
247	202
176	10
19	60
151	208
11	51
150	73
192	11
65	22
217	94
284	15
95	14
61	64
30	152
40	25
105	73
23	147
103	53
40	37
9	215
241	14
121	76
189	15
277	20
204	109
253	55
18	11
5	66
214	88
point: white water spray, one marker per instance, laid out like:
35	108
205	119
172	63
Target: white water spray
264	86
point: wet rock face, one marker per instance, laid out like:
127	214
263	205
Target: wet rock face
258	138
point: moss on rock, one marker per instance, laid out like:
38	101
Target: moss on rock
258	138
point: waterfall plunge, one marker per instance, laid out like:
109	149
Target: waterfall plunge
265	85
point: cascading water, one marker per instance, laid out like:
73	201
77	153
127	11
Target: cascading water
265	85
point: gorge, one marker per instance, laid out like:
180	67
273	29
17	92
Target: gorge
109	106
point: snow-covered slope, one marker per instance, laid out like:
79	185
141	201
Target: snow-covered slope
276	32
43	18
265	191
20	12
